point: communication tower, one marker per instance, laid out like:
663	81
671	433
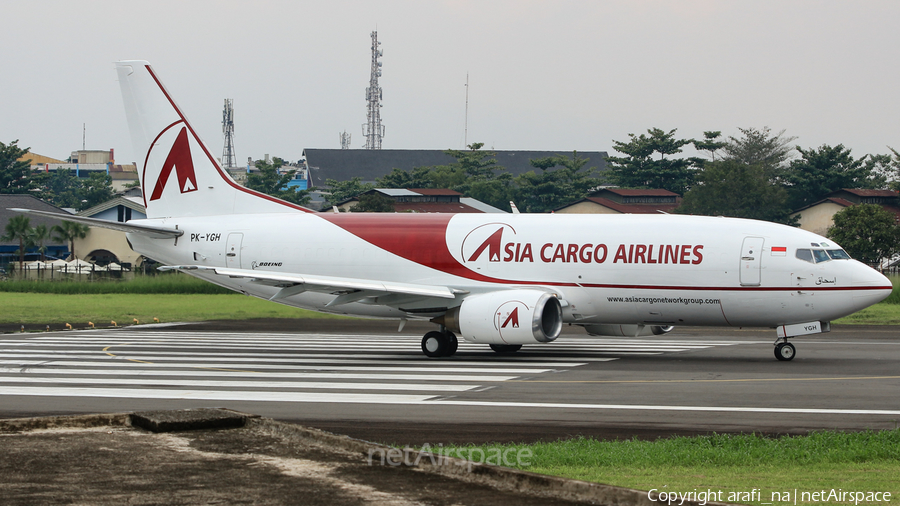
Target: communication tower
373	130
228	160
345	140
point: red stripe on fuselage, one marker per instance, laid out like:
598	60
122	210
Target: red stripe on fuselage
422	238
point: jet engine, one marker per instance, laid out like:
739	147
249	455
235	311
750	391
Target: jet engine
627	330
521	316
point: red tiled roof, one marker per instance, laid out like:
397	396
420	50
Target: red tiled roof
632	208
625	192
434	207
433	191
868	193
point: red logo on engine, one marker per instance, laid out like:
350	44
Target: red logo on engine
512	318
179	158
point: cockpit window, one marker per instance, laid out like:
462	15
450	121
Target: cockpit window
820	255
806	255
815	256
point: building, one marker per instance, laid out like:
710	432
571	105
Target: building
103	245
424	200
85	162
8	249
819	217
624	201
371	164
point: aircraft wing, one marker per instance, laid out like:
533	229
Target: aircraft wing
347	289
148	230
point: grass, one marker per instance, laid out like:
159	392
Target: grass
39	308
860	461
173	283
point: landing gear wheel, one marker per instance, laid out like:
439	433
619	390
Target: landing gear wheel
452	343
506	348
435	344
785	351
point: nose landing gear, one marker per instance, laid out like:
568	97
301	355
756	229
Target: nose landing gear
784	350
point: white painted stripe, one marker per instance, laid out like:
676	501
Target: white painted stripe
153	370
218	395
397	399
119	362
637	407
175	383
312	357
375	347
313	338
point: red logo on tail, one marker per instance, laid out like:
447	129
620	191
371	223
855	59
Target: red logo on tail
180	158
512	318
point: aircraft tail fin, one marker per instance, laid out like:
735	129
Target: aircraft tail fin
179	175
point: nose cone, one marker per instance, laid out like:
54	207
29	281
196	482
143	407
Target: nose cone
870	285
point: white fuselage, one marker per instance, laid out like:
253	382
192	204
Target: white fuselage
618	269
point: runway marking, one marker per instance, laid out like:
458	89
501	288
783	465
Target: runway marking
244	384
111	362
397	399
310	368
310	357
736	380
133	371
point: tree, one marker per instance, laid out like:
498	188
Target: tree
268	180
760	147
343	190
561	180
18	228
731	188
709	143
821	171
96	190
63	189
418	177
374	203
868	232
38	235
639	169
15	176
68	232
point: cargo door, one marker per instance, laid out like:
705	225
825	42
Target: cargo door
751	261
233	250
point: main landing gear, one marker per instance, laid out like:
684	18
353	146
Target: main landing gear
784	350
439	344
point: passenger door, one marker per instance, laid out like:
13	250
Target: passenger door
233	250
751	261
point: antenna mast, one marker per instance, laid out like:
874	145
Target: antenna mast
228	160
373	130
345	140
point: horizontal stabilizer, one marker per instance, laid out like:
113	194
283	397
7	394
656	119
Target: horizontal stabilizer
147	230
328	284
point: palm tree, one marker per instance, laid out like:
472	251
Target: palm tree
39	234
68	232
18	229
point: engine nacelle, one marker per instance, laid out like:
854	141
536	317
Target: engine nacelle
519	316
627	330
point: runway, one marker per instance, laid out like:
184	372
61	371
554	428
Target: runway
689	381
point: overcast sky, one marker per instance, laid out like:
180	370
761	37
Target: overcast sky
543	75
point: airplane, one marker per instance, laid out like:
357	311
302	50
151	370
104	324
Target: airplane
503	281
